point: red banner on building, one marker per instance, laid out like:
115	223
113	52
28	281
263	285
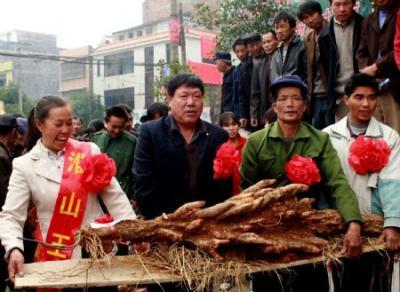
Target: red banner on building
207	72
174	30
208	48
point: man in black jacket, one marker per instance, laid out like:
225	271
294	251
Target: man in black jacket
174	156
8	135
223	61
338	44
240	50
261	80
254	46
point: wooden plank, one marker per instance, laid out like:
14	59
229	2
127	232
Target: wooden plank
122	270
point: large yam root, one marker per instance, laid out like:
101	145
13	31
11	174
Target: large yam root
259	221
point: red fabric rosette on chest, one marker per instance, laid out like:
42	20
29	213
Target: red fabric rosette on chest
368	155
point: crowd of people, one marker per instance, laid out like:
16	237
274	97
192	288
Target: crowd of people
327	56
330	98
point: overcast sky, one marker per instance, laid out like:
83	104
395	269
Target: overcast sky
75	22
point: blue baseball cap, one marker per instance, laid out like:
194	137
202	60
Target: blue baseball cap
22	125
288	81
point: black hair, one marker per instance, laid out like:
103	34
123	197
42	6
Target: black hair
40	113
238	42
286	17
118	111
96	125
6	129
126	107
93	127
354	1
189	80
308	7
228	117
157	108
269	116
271	32
358	80
78	118
128	110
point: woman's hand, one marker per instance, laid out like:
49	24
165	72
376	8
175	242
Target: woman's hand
391	237
15	264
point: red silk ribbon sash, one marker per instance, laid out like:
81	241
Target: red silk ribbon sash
69	208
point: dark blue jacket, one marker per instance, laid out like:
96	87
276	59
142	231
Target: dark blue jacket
246	71
236	82
329	55
227	97
161	168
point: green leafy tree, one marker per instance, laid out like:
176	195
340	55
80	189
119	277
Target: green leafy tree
165	73
9	96
85	107
239	17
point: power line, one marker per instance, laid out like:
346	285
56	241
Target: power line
74	60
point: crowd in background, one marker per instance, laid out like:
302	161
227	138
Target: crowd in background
325	59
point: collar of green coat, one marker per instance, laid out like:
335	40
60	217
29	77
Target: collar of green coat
276	132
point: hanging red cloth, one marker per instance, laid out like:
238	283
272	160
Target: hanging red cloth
227	162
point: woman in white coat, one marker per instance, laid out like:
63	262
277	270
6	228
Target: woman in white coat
49	175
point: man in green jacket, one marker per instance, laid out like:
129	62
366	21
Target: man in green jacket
119	145
267	151
265	156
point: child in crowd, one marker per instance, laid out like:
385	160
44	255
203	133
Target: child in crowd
229	155
269	117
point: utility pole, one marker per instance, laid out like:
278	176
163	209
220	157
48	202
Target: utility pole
174	31
20	101
90	69
182	35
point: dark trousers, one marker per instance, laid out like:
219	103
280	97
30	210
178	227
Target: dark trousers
3	270
320	113
371	272
307	278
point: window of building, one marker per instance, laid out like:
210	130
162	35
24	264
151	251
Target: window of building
149	30
118	64
121	37
139	33
3	80
130	35
116	96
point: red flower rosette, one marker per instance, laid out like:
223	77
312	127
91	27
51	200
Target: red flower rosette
302	170
368	155
226	161
106	218
99	169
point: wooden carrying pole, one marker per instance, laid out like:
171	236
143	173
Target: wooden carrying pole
123	270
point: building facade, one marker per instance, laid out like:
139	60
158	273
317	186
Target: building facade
25	59
125	70
76	75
